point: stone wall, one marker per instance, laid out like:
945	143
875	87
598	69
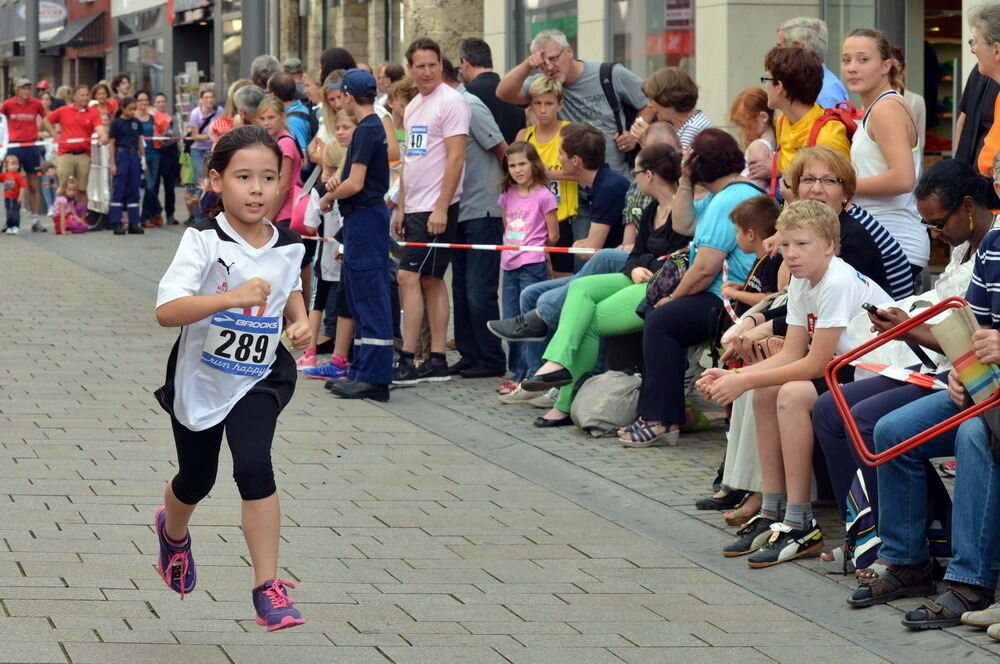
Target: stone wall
447	22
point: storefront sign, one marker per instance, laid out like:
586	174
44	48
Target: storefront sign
50	13
670	43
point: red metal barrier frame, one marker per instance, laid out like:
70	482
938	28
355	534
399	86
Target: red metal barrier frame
876	459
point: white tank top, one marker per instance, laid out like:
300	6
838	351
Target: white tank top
897	213
746	153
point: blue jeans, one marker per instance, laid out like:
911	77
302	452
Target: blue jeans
548	298
514	283
903	491
13	209
198	165
475	280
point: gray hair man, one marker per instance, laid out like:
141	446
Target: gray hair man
262	69
247	100
812	34
584	99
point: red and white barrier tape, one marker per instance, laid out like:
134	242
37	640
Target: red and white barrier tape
480	247
60	141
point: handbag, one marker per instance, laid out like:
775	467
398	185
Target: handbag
188	142
663	283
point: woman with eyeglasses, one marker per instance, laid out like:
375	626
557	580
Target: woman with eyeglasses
955	203
884	149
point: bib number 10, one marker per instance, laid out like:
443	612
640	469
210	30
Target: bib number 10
245	345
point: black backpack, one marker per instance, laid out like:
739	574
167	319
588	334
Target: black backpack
617	108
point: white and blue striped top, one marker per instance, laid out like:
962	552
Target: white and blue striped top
897	267
984	289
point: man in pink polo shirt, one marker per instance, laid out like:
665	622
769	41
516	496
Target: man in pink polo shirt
437	128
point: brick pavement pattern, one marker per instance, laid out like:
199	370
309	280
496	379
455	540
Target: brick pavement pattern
406	547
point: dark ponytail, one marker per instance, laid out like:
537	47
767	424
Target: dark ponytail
951	181
663	160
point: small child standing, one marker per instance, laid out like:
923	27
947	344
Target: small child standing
126	150
49	185
823	295
530	220
361	190
14	193
546	102
232	282
66	211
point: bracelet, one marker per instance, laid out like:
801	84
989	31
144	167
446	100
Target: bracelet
735	370
686	187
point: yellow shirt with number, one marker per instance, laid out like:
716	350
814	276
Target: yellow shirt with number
567	192
793	137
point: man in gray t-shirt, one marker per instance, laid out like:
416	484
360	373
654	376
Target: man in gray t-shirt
475	276
583	96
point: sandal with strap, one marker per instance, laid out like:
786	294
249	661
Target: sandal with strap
836	561
947	609
630	427
650	434
743	513
893	582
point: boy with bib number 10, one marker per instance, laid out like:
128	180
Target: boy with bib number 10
232	281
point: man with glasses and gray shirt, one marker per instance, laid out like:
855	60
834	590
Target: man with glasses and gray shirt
583	95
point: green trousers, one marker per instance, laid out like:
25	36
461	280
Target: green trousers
600	305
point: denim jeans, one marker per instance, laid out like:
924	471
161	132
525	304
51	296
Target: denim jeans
514	283
548	298
13	209
475	280
198	165
903	491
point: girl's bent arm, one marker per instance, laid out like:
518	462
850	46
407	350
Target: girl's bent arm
191	309
552	225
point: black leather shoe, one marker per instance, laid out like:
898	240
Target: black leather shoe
460	366
120	230
483	371
352	389
726	502
135	229
542	382
543	423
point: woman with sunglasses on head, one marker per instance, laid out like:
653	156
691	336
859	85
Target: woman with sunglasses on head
955	203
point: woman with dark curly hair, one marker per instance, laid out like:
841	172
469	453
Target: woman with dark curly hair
688	316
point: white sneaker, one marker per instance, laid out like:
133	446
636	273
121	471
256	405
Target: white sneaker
13	230
547	399
519	395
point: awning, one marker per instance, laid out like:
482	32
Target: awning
85	31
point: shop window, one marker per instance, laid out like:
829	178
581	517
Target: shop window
232	42
149	19
646	35
533	16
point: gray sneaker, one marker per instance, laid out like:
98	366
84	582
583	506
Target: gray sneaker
546	399
525	327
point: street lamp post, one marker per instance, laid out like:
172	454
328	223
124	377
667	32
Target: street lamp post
31	45
254	32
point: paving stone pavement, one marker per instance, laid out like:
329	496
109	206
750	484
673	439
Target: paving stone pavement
406	546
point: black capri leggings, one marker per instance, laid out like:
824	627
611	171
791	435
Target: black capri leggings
249	429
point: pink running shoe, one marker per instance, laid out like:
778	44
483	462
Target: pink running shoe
308	360
274	606
175	563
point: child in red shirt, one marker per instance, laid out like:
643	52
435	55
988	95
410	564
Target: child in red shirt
14	186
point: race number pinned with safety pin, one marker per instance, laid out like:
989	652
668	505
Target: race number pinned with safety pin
416	141
241	344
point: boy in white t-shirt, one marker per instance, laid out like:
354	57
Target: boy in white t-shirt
823	295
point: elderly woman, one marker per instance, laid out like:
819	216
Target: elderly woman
689	317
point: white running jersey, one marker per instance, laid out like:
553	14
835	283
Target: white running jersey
217	360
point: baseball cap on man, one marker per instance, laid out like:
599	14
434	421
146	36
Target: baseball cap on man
43	85
21	81
359	83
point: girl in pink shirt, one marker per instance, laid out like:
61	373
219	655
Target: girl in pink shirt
529	216
271	116
66	212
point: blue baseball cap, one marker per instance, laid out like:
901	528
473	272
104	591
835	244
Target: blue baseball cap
359	83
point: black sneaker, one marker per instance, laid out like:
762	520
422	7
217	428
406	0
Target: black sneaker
135	229
433	371
787	543
525	327
750	537
404	373
120	229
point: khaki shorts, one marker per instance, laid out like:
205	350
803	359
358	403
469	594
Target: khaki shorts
76	166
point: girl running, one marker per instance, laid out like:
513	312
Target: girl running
530	220
231	282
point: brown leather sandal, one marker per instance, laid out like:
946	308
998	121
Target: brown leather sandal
893	582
